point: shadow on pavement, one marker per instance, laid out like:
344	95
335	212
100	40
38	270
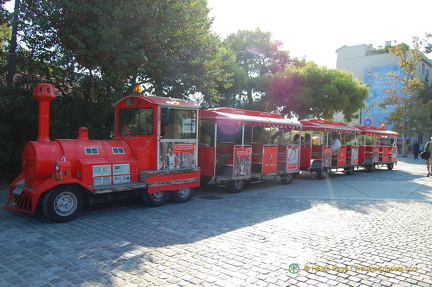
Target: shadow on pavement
123	235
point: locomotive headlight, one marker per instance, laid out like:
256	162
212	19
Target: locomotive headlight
57	167
63	170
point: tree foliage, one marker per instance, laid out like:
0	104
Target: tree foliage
411	109
4	13
257	57
165	45
93	52
311	91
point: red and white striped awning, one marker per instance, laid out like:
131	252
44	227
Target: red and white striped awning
375	131
327	126
233	116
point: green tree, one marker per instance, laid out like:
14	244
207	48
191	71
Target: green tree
4	13
257	58
406	115
307	90
425	42
165	45
93	52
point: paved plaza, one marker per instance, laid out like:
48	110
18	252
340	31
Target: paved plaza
367	229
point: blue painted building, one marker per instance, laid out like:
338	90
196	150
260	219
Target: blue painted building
382	81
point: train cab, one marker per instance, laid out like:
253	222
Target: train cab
154	152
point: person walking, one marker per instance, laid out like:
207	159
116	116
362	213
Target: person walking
428	148
416	149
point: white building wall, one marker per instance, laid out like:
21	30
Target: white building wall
355	59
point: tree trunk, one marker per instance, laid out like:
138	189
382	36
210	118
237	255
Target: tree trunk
405	126
249	95
12	49
404	146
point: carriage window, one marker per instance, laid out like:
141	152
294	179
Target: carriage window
179	123
136	121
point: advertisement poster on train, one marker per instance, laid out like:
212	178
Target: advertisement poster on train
394	154
269	159
354	155
242	162
293	157
174	155
327	156
375	154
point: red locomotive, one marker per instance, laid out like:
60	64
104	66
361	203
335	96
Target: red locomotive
154	152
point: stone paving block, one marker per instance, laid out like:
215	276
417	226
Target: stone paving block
246	239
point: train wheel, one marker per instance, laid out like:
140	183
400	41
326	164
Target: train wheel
236	186
63	203
349	171
287	178
182	195
155	199
390	166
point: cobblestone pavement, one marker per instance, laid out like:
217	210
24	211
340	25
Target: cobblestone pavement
222	239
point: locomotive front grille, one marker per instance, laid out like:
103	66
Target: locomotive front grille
20	200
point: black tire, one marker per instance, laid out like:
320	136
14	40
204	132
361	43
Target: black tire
321	174
287	178
371	168
204	181
182	195
63	203
155	199
390	166
349	170
236	186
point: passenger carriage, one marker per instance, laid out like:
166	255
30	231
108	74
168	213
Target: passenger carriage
377	154
317	157
241	149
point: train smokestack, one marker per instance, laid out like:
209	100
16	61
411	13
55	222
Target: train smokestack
44	93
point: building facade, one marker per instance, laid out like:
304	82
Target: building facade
379	70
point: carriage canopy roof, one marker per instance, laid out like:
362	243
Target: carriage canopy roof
375	131
327	126
233	116
163	101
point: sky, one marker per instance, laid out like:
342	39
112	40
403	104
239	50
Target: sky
315	29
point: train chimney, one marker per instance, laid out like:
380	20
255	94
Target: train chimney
44	93
83	134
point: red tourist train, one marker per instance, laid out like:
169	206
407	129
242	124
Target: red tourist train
164	148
